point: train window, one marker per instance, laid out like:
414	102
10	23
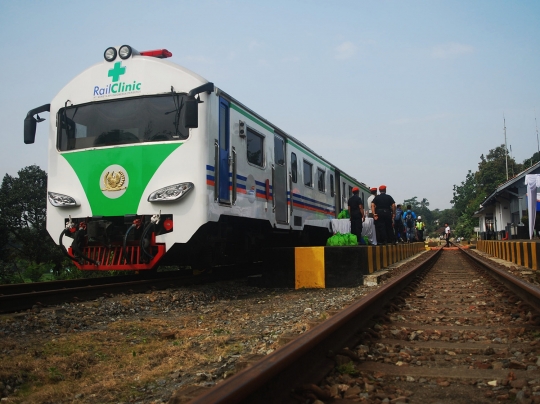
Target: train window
223	122
350	191
320	180
294	168
126	121
308	174
332	190
279	150
255	147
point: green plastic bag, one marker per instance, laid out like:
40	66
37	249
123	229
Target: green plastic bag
351	239
339	239
344	214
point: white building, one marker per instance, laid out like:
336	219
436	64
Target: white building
501	213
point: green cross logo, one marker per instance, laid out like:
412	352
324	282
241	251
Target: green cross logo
116	71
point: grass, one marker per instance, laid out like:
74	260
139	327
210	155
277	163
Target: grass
347	368
108	363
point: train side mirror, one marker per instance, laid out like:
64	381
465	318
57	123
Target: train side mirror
29	130
191	114
30	123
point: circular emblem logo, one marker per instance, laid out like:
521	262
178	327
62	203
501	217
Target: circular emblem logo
114	181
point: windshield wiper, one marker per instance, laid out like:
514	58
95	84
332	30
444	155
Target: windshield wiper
177	109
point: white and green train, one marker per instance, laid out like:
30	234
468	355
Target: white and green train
149	164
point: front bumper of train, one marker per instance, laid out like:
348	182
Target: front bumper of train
116	243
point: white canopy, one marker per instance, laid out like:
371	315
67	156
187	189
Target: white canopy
533	182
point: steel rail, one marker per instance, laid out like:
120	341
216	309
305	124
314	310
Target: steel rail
524	290
309	357
22	301
17	288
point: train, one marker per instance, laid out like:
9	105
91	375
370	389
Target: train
150	164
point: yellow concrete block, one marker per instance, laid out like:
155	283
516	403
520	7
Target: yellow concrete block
371	265
534	263
309	267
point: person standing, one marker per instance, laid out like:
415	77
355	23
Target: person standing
447	234
398	224
409	217
356	213
373	192
420	226
383	207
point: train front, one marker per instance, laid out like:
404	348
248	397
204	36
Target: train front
126	140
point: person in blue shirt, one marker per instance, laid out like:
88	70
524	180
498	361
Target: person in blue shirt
398	225
409	220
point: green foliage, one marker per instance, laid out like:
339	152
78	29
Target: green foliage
492	169
9	273
34	272
535	158
347	368
55	375
23	233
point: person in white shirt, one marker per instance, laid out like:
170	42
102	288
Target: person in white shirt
370	199
447	234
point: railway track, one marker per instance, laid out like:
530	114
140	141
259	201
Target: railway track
25	296
453	328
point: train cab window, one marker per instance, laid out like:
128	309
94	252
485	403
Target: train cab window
255	147
320	180
308	174
294	168
123	121
332	190
350	191
279	151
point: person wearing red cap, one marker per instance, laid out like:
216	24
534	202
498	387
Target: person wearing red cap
356	213
370	199
384	211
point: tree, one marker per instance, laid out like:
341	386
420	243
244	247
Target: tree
492	169
23	218
535	158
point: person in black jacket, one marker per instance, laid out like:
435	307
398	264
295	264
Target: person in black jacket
383	207
356	213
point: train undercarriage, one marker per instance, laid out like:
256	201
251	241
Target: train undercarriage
129	242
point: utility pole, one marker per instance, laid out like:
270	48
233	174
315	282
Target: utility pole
537	142
505	147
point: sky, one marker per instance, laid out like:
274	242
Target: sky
408	94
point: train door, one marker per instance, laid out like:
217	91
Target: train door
279	181
344	196
337	197
224	153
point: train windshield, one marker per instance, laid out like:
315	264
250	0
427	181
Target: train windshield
125	121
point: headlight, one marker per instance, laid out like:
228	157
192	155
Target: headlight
124	51
110	54
60	200
171	193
